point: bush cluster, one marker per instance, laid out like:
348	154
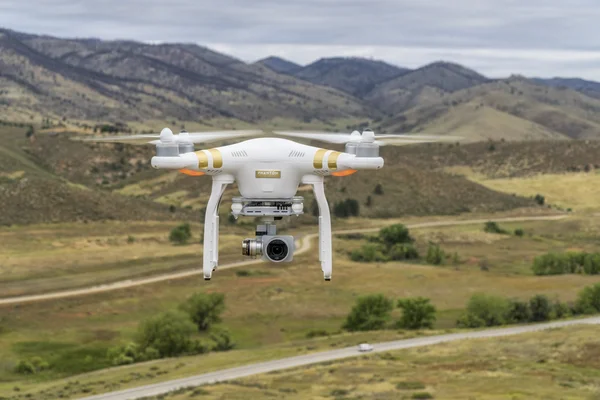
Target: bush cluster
373	312
346	208
493	227
490	310
394	243
567	263
181	234
33	366
174	332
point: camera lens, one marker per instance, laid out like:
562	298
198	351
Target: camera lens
277	250
251	247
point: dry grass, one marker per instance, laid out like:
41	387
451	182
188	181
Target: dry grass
556	364
579	191
281	304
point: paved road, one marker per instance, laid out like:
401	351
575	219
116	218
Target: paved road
292	362
304	247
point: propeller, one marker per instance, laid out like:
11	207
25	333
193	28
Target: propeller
368	136
166	136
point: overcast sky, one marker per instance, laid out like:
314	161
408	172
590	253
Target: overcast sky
496	37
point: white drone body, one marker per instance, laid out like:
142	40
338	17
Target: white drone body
268	172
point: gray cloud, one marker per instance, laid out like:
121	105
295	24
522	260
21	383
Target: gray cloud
480	33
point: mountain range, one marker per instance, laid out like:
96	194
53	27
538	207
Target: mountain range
138	86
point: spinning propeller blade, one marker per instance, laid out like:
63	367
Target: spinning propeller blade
167	136
369	136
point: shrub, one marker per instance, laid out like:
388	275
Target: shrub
222	340
518	312
539	199
403	251
519	232
24	368
435	255
490	309
204	309
417	313
567	263
408	385
588	301
540	308
371	312
493	227
469	320
422	395
393	234
169	333
317	333
378	189
181	234
560	310
33	366
346	208
368	253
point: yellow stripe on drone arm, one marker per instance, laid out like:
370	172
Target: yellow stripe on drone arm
318	159
332	160
202	159
216	157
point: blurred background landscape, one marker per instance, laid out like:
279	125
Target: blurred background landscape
76	215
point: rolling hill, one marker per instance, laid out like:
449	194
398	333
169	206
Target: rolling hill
353	75
279	65
55	179
589	88
83	83
422	86
510	109
120	81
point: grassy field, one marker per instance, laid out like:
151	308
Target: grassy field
555	364
44	258
578	191
274	308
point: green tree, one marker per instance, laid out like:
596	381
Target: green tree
519	232
588	301
169	333
493	227
204	309
540	199
370	252
370	312
222	340
518	312
417	313
491	310
393	234
403	251
540	308
353	207
435	255
181	234
560	310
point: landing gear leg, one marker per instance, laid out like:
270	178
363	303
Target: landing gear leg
211	225
325	250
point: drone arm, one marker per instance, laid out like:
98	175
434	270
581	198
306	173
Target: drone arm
185	160
350	161
211	225
325	248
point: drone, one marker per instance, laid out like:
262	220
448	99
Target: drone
268	172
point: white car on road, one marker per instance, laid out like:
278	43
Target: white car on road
365	347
